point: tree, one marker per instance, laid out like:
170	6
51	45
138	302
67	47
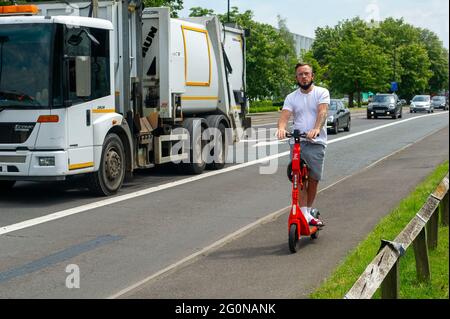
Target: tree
174	5
413	56
200	12
286	56
327	39
438	56
416	70
357	67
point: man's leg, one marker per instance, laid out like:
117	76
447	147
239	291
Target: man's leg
311	191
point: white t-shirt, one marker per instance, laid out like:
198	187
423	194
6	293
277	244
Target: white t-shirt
304	108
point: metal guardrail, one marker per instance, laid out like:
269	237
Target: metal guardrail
422	233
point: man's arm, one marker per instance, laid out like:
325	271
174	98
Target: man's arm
282	123
320	121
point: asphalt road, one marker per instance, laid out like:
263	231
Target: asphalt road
118	244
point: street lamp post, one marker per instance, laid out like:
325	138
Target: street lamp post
228	14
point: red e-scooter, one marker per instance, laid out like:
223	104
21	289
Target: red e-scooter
298	173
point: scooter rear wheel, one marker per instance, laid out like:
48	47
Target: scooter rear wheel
293	238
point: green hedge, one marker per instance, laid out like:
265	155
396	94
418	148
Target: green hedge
265	106
264	109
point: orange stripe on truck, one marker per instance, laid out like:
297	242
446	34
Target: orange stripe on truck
80	166
48	119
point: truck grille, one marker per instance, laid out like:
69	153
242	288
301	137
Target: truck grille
15	133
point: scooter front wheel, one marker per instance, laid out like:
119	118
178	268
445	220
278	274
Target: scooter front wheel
293	238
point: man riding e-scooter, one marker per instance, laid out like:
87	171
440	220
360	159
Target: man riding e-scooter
309	106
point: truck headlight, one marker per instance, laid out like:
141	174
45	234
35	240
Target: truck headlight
330	118
47	161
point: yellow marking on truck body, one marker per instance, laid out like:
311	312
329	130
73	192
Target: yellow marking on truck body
80	166
198	98
189	83
103	111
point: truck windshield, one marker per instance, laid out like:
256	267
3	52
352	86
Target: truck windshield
24	65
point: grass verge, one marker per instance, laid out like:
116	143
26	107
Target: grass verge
346	274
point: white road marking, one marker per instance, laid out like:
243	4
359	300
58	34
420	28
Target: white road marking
109	201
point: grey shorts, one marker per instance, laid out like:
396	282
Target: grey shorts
314	155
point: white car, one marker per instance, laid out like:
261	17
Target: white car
421	103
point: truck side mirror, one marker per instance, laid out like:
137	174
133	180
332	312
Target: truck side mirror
83	76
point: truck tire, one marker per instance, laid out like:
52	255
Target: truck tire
196	149
223	154
110	175
6	185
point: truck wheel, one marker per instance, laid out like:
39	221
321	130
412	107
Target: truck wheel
223	152
110	175
6	185
196	150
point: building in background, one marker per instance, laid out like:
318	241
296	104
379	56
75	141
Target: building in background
302	43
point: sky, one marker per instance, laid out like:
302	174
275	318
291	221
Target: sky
303	17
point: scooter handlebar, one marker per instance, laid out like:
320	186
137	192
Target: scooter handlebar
296	133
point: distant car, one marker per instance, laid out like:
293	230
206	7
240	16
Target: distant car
385	105
338	117
421	103
439	102
403	102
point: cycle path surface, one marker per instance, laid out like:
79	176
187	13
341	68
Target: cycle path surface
258	264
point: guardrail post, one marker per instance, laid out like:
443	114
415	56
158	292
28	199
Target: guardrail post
444	210
421	255
390	284
432	230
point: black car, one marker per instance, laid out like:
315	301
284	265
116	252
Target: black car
439	102
385	105
338	116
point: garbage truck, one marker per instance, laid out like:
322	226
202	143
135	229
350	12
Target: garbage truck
103	88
